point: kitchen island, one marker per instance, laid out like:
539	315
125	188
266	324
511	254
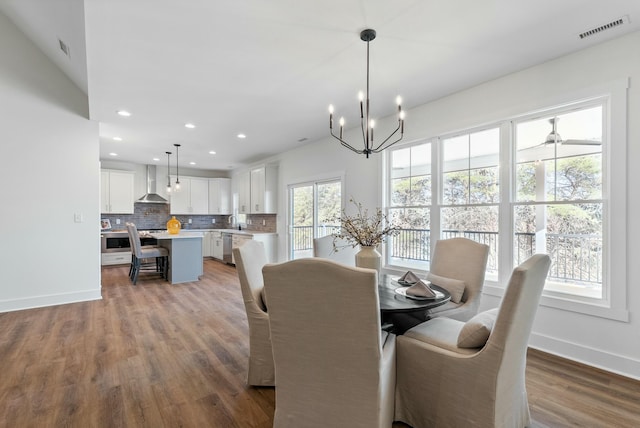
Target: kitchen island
185	255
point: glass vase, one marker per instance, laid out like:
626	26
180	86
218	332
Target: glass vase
173	226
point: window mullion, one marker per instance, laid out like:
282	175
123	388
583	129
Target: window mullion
507	196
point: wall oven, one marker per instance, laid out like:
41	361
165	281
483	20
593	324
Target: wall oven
117	242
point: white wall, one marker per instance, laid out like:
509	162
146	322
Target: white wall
49	172
612	345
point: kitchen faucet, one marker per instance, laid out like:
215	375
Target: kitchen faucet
231	217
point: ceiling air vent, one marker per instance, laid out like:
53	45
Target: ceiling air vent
64	48
615	23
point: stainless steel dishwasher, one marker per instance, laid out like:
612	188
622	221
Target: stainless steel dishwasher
227	245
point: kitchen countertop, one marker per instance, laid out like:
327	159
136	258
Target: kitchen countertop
181	235
234	231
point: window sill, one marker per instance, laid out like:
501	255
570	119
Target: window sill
565	303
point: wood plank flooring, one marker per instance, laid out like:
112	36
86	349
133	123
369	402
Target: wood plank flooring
156	355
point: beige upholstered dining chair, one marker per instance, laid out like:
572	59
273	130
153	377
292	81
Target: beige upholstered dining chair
334	365
250	258
140	256
459	265
456	374
323	247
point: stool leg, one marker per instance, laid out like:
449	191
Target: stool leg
136	270
131	266
166	267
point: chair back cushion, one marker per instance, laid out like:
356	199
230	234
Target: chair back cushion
325	332
345	254
134	240
455	287
464	260
250	257
519	305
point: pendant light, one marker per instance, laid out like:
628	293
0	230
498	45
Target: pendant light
366	122
168	173
177	186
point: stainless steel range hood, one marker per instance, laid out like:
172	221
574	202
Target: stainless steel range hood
151	197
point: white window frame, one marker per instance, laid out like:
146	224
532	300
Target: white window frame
613	305
312	181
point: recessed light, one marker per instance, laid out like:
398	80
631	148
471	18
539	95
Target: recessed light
156	159
192	163
242	136
212	152
189	125
113	154
123	113
117	138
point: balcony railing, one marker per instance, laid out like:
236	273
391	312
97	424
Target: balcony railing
303	235
575	258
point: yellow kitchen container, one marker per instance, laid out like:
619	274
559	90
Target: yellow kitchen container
173	226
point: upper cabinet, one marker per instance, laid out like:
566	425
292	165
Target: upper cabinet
243	189
116	191
220	196
193	197
256	190
264	181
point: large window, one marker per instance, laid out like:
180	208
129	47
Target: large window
535	184
470	189
410	195
558	207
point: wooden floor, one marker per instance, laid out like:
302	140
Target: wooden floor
156	355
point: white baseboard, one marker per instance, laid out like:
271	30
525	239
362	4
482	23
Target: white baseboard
619	364
49	300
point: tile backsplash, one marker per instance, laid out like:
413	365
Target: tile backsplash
155	216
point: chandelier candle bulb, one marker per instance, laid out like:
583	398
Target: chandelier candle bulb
330	116
371	125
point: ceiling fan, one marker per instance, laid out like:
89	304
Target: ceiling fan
555	138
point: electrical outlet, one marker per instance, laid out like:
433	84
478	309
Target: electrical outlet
264	222
213	221
189	221
117	221
78	217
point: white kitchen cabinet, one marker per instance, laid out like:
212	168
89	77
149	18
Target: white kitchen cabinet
116	191
193	197
119	258
217	245
269	240
243	190
264	181
220	196
207	244
256	190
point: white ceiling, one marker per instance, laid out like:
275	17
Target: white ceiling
269	69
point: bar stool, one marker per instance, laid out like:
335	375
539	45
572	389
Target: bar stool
140	253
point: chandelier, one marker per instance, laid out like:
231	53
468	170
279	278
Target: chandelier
366	122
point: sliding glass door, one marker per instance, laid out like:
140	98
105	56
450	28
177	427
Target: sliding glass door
312	206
